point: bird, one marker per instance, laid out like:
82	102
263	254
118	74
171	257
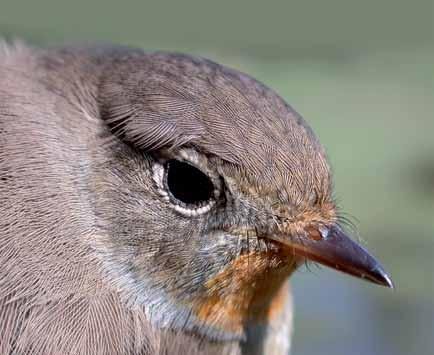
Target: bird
156	203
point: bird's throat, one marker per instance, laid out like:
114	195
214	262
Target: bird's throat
250	290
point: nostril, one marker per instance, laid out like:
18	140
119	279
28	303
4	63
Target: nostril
314	233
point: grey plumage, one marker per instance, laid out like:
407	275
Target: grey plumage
96	256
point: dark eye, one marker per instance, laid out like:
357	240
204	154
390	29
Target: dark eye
188	184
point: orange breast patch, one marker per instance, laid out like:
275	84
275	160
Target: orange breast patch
248	290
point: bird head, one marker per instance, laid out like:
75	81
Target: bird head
212	193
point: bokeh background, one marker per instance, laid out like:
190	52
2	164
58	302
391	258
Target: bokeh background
362	74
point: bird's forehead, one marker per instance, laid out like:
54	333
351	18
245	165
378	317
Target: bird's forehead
284	177
181	100
246	123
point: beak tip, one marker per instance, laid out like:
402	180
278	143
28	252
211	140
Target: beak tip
388	282
383	278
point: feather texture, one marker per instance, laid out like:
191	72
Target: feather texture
90	252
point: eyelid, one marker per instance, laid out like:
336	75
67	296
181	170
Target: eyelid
190	156
158	177
190	212
195	159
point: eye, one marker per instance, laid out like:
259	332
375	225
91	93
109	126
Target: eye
188	185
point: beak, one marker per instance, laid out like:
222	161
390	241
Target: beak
333	248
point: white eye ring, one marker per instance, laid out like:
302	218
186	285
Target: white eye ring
158	175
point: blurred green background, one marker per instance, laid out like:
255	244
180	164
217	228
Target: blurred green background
362	74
